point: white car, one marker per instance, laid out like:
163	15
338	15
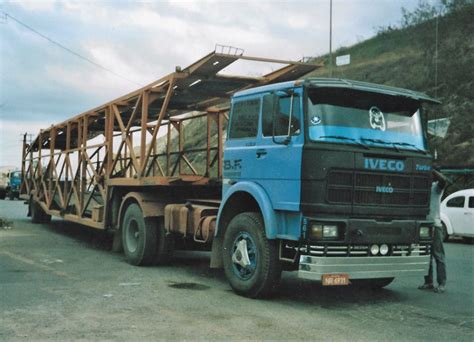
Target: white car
457	214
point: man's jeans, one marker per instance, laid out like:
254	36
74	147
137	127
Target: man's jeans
437	252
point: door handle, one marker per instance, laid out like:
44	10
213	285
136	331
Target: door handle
261	152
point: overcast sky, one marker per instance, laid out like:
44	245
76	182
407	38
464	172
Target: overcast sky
41	84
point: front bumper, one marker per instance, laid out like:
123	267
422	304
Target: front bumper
311	267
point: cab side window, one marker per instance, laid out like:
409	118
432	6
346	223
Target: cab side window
456	202
286	104
244	121
471	202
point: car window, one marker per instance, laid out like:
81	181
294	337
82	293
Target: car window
282	119
471	202
244	120
456	202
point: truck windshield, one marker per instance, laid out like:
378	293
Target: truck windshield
358	117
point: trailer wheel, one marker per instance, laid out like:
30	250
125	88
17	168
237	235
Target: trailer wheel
38	215
139	237
251	262
374	284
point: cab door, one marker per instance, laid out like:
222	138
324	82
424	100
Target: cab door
241	145
468	217
455	211
277	158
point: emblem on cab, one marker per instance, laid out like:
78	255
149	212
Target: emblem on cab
376	119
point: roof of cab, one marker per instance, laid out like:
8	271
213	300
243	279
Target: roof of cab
320	82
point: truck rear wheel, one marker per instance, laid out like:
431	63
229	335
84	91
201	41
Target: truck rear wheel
139	237
38	215
251	261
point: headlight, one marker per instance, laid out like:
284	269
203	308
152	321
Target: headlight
425	232
330	232
322	231
317	231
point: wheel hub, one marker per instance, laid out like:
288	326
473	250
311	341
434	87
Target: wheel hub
132	236
241	255
244	256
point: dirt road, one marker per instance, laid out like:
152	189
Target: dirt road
59	281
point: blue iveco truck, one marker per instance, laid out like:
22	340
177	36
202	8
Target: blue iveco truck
13	185
329	178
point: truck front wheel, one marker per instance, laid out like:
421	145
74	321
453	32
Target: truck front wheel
251	261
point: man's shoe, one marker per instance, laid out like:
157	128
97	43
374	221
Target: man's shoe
426	287
440	289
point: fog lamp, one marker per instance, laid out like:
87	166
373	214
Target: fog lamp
330	232
384	249
425	232
374	249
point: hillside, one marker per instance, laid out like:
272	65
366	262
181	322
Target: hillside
406	58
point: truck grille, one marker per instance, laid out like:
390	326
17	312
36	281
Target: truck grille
327	250
360	188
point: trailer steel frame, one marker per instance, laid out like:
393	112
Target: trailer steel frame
70	168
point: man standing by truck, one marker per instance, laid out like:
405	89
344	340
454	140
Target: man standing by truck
437	249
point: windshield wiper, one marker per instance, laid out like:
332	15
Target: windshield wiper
394	144
340	137
411	145
379	141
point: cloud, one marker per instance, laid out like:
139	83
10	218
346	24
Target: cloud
41	83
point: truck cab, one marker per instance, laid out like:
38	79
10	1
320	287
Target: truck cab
13	185
333	180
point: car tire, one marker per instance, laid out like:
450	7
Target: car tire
374	284
139	237
2	195
261	277
38	215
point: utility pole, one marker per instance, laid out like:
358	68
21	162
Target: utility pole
330	38
436	87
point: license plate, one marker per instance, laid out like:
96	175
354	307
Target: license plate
335	279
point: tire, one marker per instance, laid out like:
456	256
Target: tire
139	237
445	233
38	215
11	196
261	277
468	240
2	195
374	284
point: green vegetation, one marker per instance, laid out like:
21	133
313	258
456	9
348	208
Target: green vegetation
405	57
